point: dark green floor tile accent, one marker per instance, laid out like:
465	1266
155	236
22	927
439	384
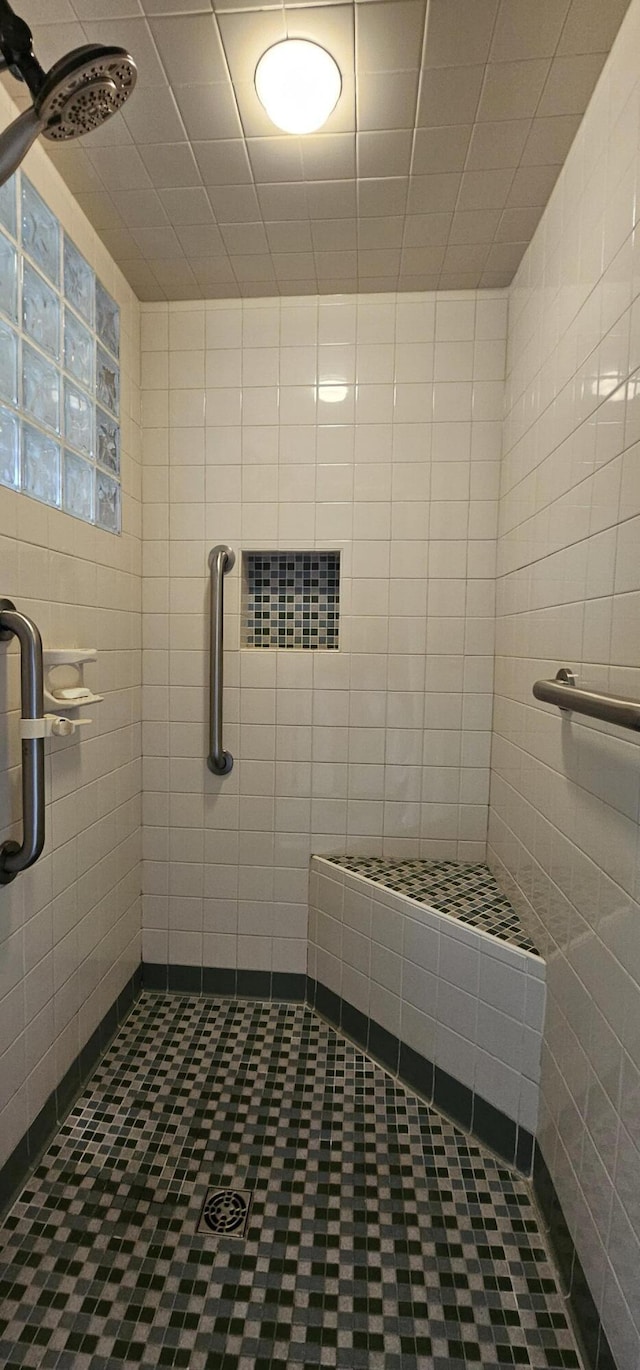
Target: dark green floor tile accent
453	1098
491	1126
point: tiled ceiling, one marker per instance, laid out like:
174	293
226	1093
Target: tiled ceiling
432	172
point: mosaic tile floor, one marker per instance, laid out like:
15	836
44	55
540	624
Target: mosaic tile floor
467	892
379	1236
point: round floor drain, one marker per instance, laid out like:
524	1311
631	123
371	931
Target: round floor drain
225	1212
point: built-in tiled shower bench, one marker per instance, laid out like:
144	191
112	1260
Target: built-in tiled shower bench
426	965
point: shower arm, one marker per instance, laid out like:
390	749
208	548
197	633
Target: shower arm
16	49
15	857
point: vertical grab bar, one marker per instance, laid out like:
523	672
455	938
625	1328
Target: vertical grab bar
221	560
15	857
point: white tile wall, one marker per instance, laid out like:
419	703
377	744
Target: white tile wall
70	928
370	424
564	798
470	1004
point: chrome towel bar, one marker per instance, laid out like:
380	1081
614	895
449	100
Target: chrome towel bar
15	858
568	696
221	560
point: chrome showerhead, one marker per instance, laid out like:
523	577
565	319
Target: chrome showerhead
80	93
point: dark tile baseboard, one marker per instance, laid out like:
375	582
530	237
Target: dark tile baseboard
26	1154
472	1113
590	1333
246	984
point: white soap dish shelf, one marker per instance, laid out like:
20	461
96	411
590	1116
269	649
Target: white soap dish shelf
64	670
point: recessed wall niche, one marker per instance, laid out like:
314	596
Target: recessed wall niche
291	600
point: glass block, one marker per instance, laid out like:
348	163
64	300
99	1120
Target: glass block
107	320
8	363
40	311
9	447
78	419
8	217
40	465
107	502
107	441
78	349
107	381
77	487
8	278
78	281
40	232
40	388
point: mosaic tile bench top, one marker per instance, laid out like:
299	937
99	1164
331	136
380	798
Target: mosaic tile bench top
379	1236
467	892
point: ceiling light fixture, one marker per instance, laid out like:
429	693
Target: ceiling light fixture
299	84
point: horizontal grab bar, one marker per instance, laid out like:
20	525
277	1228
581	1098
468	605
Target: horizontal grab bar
568	696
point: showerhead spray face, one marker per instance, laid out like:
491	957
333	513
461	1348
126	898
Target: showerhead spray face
80	93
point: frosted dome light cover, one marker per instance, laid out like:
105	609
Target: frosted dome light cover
299	84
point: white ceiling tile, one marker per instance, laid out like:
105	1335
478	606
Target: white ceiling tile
550	139
331	199
119	168
440	149
234	204
289	236
153	116
570	83
208	111
474	226
387	104
253	267
171	164
384	154
524	30
157	242
495	145
334	235
223	162
283	201
376	262
187	205
190	48
511	90
378	233
140	208
459	33
532	185
427	230
276	159
518	225
443	194
449	95
244	238
389	36
329	157
418	259
200	240
591	26
470	257
428	194
382	195
336	265
484	189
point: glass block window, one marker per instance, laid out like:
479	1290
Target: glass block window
59	366
291	599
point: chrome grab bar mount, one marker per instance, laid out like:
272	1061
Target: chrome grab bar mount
572	698
221	560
